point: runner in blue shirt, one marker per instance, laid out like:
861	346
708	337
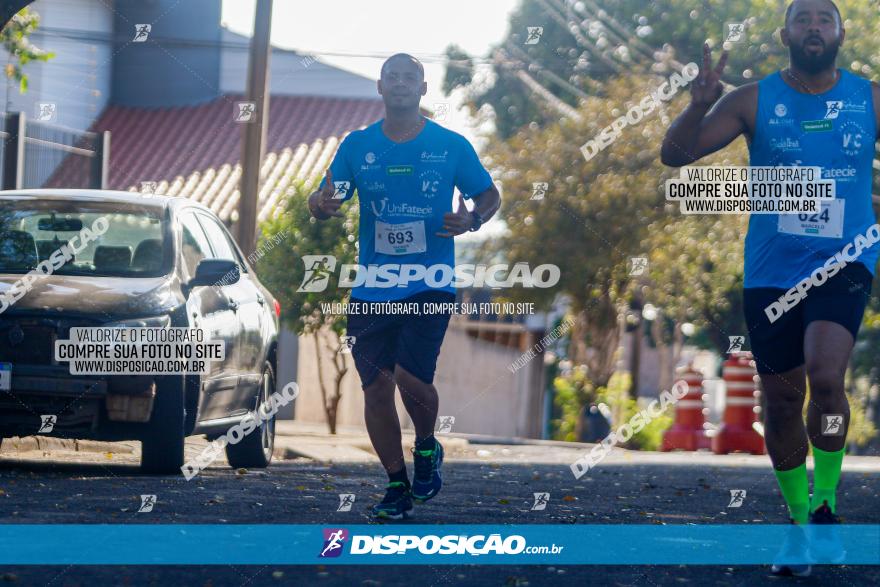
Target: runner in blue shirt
404	169
810	114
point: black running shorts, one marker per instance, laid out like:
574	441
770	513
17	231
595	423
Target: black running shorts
384	339
779	346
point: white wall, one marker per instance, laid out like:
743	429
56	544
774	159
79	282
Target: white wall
77	79
473	380
291	74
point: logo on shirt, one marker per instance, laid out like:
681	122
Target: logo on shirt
382	203
431	157
861	107
374	186
853	139
341	189
839	174
817	126
430	182
400	209
781	118
833	109
786	144
399	170
370	160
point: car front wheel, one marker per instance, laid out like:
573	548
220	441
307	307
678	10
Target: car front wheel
254	450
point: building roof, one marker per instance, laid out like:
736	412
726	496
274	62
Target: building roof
194	151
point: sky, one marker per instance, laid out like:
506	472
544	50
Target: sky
365	33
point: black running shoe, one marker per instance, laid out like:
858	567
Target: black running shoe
791	560
825	544
397	502
427	480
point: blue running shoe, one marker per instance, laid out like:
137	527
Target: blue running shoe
793	558
397	503
825	544
427	480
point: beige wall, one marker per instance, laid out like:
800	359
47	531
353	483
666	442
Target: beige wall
473	380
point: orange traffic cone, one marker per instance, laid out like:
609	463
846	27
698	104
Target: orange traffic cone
741	408
688	432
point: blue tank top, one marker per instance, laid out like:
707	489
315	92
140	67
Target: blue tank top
836	131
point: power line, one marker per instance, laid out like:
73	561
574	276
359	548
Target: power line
91	36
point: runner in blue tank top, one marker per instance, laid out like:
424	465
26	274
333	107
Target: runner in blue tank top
404	169
807	277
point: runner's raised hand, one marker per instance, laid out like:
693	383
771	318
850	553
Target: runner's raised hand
707	88
323	200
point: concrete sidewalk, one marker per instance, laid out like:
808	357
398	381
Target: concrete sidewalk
352	445
303	440
348	445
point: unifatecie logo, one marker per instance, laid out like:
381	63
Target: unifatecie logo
334	539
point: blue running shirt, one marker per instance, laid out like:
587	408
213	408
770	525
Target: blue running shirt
404	189
835	131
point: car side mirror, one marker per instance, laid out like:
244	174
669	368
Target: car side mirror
215	272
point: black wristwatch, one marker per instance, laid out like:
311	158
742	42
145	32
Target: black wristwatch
477	221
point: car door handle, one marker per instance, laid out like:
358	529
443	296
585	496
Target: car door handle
261	300
233	304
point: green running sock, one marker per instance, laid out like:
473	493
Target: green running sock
796	491
826	476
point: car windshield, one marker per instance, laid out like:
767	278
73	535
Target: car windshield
70	237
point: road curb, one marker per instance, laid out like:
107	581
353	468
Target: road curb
48	443
517	440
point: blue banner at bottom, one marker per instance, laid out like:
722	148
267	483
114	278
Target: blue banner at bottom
223	544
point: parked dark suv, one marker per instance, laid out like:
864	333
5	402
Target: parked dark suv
158	262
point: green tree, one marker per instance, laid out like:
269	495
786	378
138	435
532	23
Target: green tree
282	270
598	215
695	275
865	380
20	50
585	43
600	57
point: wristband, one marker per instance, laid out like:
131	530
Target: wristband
477	221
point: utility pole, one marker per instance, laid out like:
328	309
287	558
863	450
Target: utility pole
254	131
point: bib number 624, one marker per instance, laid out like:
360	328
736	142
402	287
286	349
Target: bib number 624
825	216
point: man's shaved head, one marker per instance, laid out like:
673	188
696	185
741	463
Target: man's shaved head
790	10
402	83
403	57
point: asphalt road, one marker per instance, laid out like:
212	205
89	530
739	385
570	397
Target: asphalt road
495	487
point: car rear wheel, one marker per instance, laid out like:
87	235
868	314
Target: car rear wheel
162	444
254	450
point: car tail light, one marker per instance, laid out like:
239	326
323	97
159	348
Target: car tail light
277	309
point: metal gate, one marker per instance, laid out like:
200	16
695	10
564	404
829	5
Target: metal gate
37	154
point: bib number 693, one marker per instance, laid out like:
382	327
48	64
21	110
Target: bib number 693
399	238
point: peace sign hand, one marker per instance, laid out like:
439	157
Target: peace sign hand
707	88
